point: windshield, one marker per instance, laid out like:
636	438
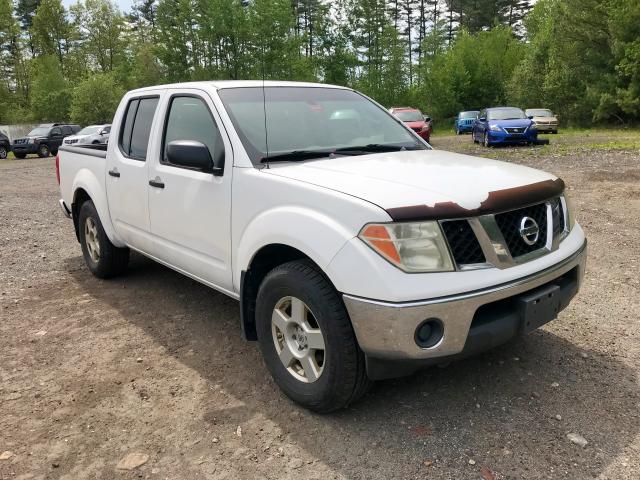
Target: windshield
505	114
473	114
39	132
89	130
409	116
539	113
303	119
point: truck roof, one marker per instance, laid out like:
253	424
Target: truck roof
221	84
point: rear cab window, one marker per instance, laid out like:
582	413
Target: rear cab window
136	128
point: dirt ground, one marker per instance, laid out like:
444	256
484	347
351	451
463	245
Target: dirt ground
153	363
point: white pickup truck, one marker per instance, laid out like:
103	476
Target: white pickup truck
356	251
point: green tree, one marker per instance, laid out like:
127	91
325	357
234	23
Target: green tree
51	30
96	99
101	28
49	90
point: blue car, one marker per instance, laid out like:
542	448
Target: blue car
465	120
503	125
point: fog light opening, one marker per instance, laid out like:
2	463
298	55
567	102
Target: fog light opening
429	333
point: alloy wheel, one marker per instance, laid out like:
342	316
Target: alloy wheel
298	339
91	239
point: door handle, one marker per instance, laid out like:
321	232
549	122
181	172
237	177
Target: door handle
114	173
157	183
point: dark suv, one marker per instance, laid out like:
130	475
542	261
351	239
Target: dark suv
43	140
4	146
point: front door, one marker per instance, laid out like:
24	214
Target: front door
190	210
127	177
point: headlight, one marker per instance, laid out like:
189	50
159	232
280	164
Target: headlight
495	128
412	247
571	214
534	124
32	140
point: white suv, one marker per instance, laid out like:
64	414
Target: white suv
91	135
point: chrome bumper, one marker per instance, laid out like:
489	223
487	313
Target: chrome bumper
386	330
65	209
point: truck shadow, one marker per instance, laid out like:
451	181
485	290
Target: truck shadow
498	408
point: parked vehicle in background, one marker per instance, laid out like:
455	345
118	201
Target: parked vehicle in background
503	125
464	121
43	140
91	135
415	120
357	252
544	119
5	146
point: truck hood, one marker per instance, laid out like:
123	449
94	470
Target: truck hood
426	183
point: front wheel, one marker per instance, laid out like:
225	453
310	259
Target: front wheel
43	151
20	155
103	258
307	340
3	152
485	140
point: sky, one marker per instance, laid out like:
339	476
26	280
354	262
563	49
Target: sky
124	5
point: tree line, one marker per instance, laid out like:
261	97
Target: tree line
580	58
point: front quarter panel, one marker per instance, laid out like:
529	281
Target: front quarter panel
270	209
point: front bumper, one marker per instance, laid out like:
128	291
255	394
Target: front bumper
550	127
465	127
530	135
26	148
386	331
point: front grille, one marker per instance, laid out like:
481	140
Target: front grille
416	129
515	129
463	243
509	224
557	215
20	141
70	142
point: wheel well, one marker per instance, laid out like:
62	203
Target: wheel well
265	260
79	198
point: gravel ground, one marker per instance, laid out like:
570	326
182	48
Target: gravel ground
153	364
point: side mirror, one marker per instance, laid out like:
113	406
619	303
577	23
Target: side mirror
427	118
192	154
530	117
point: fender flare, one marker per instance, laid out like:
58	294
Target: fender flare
86	180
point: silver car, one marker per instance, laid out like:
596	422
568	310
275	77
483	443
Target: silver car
91	135
545	120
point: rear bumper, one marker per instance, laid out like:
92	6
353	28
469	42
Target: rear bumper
386	331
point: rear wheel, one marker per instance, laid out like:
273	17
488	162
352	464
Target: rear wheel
43	151
103	258
3	152
307	340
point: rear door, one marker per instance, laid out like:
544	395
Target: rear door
190	210
127	171
55	139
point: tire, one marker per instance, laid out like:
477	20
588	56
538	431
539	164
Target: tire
339	375
457	131
106	260
555	132
485	140
19	155
43	151
473	137
3	152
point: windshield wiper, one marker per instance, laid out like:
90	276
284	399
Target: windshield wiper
297	156
377	147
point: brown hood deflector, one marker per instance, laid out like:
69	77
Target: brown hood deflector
498	201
